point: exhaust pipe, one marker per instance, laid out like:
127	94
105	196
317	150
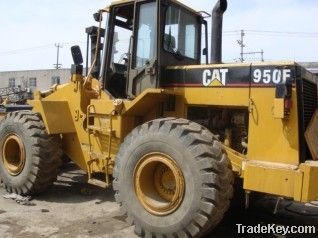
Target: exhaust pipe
217	25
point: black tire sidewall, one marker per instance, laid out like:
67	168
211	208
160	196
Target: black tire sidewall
173	147
10	127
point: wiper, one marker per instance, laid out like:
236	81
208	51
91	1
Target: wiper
178	55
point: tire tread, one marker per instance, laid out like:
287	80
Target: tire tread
46	153
214	166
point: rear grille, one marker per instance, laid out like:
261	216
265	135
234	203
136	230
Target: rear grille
309	101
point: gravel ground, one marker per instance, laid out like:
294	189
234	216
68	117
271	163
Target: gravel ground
72	208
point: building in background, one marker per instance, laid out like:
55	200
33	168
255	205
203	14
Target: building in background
34	79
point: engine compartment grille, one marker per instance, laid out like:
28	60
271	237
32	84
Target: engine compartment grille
307	105
309	93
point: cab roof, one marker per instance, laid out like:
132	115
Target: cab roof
119	2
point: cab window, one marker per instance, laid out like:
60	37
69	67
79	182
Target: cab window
181	32
146	35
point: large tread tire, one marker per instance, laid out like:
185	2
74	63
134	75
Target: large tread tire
205	167
43	154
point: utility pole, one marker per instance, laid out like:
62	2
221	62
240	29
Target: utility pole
58	46
262	55
241	44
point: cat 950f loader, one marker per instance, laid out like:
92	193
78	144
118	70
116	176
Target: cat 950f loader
167	132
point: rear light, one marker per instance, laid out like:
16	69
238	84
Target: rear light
288	104
283	102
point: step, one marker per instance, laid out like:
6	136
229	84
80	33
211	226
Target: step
94	156
98	183
102	130
100	115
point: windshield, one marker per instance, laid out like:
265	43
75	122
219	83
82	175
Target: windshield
181	32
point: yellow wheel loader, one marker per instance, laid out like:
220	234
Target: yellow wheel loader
167	132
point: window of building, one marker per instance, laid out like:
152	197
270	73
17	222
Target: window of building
56	80
11	82
32	82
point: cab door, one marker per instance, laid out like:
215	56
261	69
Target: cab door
143	49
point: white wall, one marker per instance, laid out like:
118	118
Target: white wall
43	77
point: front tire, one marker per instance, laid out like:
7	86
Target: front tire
172	179
29	157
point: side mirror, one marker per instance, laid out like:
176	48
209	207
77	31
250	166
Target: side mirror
98	16
169	42
77	55
205	51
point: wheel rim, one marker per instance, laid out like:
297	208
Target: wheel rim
159	184
13	154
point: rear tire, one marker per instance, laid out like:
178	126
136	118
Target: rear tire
29	157
204	170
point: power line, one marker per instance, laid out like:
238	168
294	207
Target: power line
236	31
285	32
35	48
281	35
256	52
273	34
25	49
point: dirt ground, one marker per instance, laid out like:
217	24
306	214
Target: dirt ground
72	208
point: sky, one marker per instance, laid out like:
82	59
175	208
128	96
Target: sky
29	29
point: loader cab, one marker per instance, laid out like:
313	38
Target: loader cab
145	37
